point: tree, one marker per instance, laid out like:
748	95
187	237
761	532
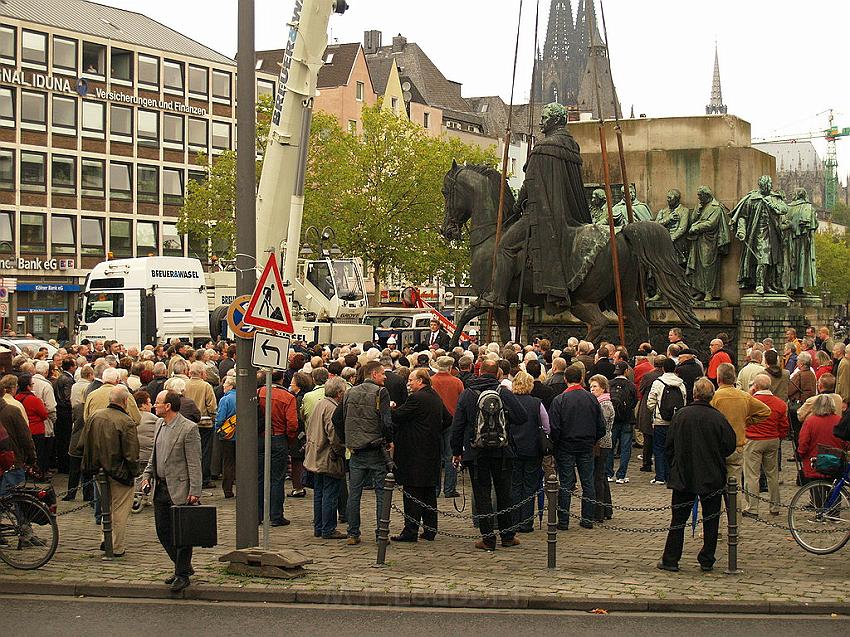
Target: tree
381	192
209	207
841	213
833	255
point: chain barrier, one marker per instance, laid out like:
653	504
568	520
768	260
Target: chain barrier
461	536
472	517
658	529
574	493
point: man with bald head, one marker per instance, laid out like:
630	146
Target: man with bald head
99	398
109	442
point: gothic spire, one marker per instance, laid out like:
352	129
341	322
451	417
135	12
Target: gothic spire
716	105
560	31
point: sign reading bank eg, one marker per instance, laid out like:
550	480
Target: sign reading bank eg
36	264
80	86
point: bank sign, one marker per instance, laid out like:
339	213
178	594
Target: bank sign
42	265
81	87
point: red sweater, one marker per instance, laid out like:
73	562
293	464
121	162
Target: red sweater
449	388
817	430
36	411
719	357
641	369
775	425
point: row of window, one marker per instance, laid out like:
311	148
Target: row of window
65	230
92	59
151	127
91	177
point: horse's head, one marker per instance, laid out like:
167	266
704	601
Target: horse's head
457	206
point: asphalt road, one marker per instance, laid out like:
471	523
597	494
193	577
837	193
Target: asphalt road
47	616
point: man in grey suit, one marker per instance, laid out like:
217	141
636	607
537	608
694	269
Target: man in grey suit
175	469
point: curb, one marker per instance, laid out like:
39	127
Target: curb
430	600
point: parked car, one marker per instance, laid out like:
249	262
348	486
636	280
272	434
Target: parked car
15	344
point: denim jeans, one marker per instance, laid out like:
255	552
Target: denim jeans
659	439
525	482
450	482
622	432
568	463
365	467
11	478
325	497
278	475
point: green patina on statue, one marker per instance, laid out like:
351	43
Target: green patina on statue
640	210
599	211
708	237
676	218
803	224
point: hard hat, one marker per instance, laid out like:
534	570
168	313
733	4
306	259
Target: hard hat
391	340
473	332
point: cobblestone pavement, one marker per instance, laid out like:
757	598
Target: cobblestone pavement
601	563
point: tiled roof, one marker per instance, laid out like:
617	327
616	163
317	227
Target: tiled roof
379	71
331	75
119	25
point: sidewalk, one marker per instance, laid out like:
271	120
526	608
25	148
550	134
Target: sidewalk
596	568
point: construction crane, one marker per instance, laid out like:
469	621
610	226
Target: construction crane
830	164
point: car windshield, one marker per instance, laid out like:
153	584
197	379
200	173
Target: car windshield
104	305
348	285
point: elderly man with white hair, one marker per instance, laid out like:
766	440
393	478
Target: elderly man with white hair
99	398
44	390
761	450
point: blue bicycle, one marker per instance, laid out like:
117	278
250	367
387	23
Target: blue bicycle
819	513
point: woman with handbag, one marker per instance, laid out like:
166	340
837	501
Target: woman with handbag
528	445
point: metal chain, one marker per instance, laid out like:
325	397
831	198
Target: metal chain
659	529
641	509
461	536
807	532
473	517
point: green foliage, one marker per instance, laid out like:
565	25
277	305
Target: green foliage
833	255
841	213
381	192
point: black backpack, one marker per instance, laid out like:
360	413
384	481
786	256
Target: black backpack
671	401
623	411
491	430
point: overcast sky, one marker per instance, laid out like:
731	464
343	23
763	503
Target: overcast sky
782	62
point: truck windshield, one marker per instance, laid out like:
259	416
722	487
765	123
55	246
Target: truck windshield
348	285
100	305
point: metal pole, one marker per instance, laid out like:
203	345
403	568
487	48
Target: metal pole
384	523
552	488
105	512
246	279
267	461
732	531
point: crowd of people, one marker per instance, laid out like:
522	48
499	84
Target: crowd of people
344	416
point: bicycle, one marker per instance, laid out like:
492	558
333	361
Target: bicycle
29	533
819	513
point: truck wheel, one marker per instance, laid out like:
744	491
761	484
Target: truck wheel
216	317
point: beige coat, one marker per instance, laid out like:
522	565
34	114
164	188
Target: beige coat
99	399
805	409
182	462
201	392
324	453
842	380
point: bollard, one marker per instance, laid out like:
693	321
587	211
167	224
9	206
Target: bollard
105	512
384	522
732	519
552	488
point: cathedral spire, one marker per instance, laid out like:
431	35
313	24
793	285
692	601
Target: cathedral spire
560	31
716	105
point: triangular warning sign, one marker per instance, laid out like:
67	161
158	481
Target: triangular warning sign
268	307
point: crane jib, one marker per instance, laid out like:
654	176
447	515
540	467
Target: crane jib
287	62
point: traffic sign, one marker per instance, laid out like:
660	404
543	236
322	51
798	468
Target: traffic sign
236	316
4	310
270	350
268	307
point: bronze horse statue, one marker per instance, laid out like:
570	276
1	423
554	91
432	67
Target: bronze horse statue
471	193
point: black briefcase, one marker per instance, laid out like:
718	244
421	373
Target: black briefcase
193	525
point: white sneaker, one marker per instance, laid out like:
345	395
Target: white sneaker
654	481
610	479
622	480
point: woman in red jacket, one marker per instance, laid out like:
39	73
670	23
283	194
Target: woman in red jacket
36	414
817	430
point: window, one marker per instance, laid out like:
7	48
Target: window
221	85
146	238
34	49
352	126
197	134
148	70
172	186
120	237
120	181
121	65
426	120
121	123
172	130
104	305
33	111
63	175
64	54
360	89
94	59
63	235
33	236
264	87
172	76
94	119
92	177
91	237
221	135
7	44
7	232
148	127
172	241
394	103
197	175
7	169
329	58
64	115
33	172
7	107
197	80
147	184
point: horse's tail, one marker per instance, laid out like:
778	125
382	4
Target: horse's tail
651	244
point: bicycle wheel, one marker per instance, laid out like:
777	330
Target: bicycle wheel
29	534
816	527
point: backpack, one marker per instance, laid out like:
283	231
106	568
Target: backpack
671	401
491	430
623	412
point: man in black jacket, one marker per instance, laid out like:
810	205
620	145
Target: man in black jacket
699	440
644	415
624	398
545	393
437	338
689	370
556	381
64	417
488	468
576	424
396	387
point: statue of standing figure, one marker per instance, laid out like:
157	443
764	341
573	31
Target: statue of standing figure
640	210
676	218
803	224
708	237
759	220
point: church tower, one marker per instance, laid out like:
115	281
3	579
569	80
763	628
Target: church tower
557	81
716	105
596	78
